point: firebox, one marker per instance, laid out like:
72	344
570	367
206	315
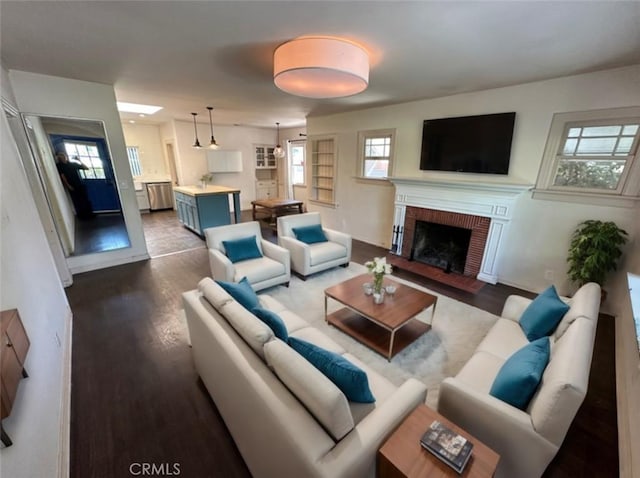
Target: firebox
441	246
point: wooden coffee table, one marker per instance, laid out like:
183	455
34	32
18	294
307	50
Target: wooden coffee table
402	456
386	328
271	209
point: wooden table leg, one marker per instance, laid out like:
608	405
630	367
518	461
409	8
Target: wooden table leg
253	213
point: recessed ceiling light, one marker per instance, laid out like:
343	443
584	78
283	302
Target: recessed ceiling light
142	115
137	108
131	121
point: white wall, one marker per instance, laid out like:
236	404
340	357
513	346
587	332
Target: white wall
53	96
38	424
192	163
150	150
539	235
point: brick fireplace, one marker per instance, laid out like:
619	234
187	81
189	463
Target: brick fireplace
483	207
478	225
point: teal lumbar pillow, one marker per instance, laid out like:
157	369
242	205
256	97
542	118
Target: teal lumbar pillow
274	321
351	380
241	292
543	314
310	234
519	377
242	249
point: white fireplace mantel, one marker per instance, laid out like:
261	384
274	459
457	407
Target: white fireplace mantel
487	198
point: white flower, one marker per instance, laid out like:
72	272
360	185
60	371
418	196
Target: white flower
378	266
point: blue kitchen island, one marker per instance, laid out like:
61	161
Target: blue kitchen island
202	207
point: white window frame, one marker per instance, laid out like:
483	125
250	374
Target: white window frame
133	153
370	134
298	144
93	171
628	191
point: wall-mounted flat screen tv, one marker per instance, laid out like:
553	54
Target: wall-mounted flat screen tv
468	144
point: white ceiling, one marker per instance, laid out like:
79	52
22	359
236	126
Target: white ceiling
185	55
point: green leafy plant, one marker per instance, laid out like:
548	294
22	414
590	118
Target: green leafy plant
594	251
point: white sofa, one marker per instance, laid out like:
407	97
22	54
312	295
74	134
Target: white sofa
308	259
272	269
527	440
271	423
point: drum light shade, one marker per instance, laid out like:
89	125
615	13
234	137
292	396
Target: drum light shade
321	67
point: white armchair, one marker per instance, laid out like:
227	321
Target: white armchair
306	258
273	268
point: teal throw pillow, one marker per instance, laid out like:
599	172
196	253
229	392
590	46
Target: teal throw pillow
242	249
310	234
273	320
543	314
520	375
346	376
242	292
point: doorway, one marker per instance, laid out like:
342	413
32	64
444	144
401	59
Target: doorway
86	140
171	162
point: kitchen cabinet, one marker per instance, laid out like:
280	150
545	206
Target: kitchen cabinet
15	345
143	199
264	157
267	189
199	208
224	161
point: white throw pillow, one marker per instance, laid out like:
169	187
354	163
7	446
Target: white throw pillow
317	393
215	294
254	332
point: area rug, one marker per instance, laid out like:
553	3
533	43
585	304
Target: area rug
456	331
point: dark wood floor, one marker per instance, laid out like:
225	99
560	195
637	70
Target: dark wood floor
136	397
104	232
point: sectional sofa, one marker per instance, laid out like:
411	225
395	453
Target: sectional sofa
286	417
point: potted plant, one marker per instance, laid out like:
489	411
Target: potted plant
594	251
205	179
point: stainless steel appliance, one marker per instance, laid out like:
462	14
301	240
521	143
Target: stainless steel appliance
160	195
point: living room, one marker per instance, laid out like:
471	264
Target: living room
534	242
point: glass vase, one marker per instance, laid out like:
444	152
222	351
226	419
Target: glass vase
378	297
377	283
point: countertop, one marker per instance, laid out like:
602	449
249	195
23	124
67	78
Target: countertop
200	191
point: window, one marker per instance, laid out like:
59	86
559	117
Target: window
592	154
296	155
376	153
134	160
87	153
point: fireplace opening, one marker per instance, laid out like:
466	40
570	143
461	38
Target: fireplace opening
441	246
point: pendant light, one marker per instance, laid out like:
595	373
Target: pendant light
278	152
196	143
212	144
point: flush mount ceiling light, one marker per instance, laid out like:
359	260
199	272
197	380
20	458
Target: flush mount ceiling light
321	67
137	108
278	152
196	143
212	144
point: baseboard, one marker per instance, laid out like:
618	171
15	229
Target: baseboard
108	263
64	440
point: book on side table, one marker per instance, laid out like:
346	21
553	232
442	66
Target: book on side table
447	445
